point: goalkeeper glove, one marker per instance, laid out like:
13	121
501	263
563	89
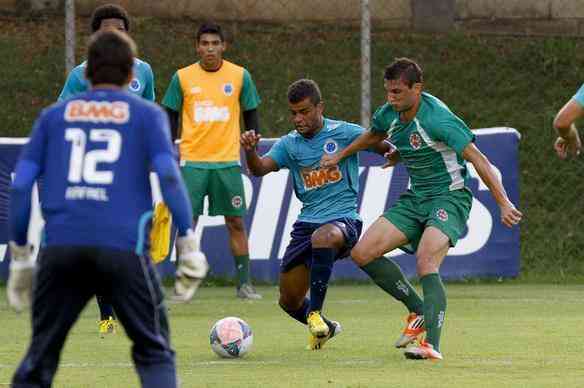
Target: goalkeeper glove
19	287
192	267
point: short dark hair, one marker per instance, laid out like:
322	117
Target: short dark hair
210	28
304	88
109	11
110	58
405	69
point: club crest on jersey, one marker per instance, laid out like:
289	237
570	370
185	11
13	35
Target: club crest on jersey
135	85
117	112
236	201
330	146
320	177
442	215
415	141
228	89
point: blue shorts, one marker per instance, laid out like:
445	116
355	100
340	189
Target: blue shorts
299	250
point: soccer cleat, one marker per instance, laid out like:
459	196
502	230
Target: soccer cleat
246	291
316	343
316	325
414	328
424	351
108	326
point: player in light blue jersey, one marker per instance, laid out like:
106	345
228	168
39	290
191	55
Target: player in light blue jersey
110	16
94	154
328	224
568	142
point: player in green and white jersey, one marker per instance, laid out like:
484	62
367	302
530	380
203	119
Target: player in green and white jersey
431	215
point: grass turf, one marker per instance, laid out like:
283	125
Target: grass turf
498	335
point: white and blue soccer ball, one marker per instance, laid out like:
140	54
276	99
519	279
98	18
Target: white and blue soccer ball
231	337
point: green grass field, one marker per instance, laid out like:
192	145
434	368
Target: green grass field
496	335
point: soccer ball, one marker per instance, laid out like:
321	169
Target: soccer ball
231	337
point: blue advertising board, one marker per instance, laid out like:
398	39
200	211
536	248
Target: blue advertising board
488	249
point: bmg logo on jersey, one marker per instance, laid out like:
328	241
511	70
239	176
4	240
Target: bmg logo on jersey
117	112
319	177
206	112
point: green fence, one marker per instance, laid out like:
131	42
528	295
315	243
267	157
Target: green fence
487	80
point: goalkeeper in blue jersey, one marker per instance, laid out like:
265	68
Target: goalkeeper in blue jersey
110	16
94	154
328	225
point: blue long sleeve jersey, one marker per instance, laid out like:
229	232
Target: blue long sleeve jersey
92	155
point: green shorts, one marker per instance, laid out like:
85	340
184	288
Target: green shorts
223	186
412	214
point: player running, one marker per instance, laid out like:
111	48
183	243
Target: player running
431	215
328	224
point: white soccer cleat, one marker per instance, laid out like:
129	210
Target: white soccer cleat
424	351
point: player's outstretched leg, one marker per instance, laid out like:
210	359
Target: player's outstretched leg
320	273
434	314
387	274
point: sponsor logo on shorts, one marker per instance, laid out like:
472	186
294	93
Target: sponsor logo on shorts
330	146
415	141
228	89
237	201
442	215
320	177
135	85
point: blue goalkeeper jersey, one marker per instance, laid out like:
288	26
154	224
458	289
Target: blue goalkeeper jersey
325	193
142	83
94	154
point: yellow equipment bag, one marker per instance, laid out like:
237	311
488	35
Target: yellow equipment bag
160	233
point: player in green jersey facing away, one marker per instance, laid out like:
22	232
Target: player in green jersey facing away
431	215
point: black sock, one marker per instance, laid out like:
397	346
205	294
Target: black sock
300	314
106	310
320	273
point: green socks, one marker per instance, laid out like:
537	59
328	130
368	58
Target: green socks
434	307
242	268
388	276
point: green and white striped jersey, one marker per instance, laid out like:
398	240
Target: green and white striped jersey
430	145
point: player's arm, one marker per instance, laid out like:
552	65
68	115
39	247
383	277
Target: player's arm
164	165
251	120
365	141
174	122
249	101
73	85
28	169
258	166
192	266
172	103
509	214
149	92
568	141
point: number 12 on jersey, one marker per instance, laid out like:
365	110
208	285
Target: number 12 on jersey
82	164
